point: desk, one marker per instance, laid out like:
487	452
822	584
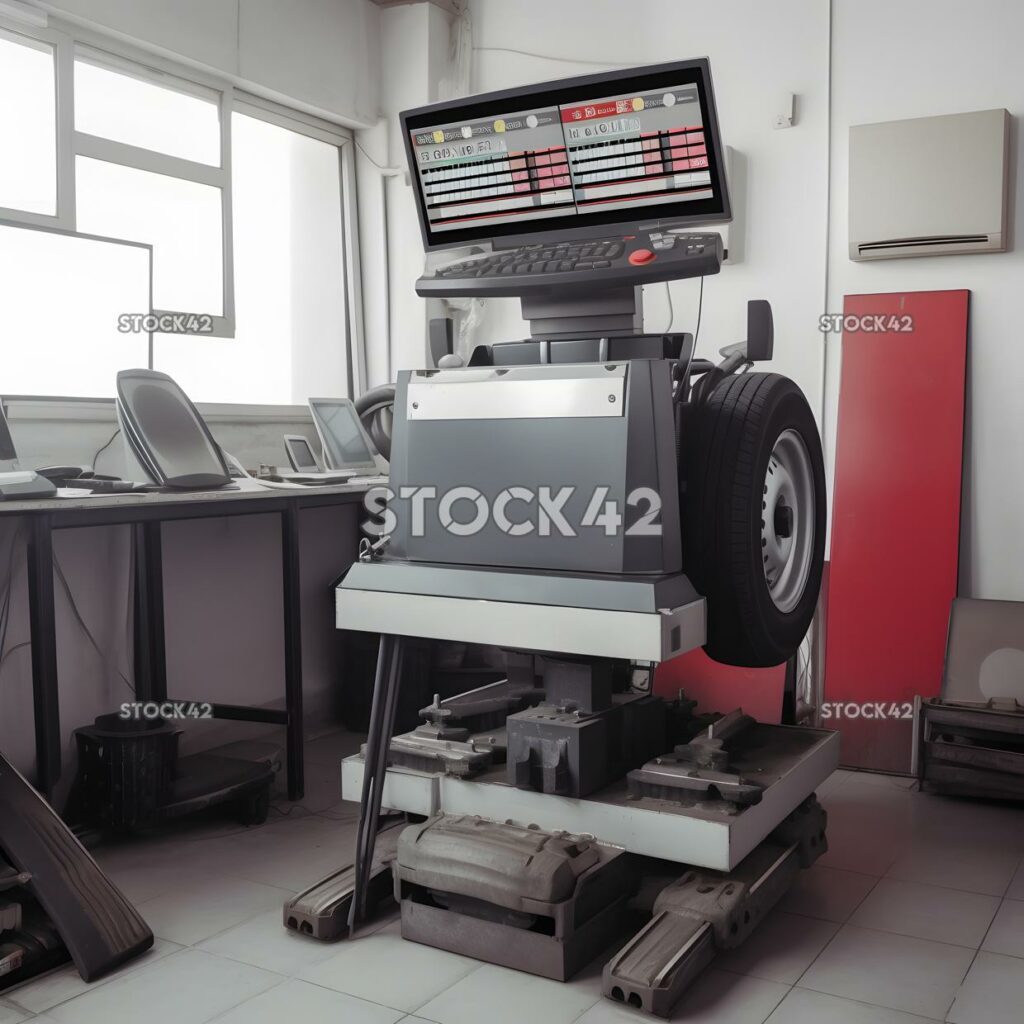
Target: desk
145	513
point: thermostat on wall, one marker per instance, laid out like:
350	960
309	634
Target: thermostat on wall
929	186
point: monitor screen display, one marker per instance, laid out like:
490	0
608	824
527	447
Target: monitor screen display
7	451
302	458
603	149
345	443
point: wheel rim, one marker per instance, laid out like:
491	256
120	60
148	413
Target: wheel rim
787	521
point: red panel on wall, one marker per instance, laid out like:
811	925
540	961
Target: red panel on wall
895	518
722	688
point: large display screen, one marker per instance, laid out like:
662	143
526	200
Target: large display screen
597	150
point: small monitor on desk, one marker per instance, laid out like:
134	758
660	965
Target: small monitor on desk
8	454
345	443
300	454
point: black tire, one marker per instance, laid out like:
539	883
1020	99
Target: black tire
374	409
726	457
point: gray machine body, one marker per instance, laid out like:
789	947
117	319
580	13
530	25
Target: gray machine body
599	429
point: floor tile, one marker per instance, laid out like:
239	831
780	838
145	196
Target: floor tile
65	983
322	784
205	908
780	948
498	995
833	782
718	997
992	993
927	912
384	968
868	827
146	881
896	971
291	854
11	1014
977	865
1016	890
1007	932
298	1000
827	893
804	1007
332	747
905	782
940	820
189	987
263	941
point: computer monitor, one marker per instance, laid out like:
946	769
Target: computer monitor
8	453
345	443
300	454
579	157
166	433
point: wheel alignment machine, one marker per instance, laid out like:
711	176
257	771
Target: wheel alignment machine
550	803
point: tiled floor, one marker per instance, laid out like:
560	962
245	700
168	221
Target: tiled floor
916	914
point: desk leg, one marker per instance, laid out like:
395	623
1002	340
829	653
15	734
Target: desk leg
43	630
293	648
148	629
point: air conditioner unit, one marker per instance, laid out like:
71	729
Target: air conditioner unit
929	186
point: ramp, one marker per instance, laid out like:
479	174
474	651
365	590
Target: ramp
100	928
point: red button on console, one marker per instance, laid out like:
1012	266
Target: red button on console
639	256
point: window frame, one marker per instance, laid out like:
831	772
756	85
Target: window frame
70	42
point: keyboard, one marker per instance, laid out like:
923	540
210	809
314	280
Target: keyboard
653	255
99	485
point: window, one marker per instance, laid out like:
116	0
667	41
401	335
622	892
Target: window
72	347
164	193
147	168
112	104
290	311
28	126
180	219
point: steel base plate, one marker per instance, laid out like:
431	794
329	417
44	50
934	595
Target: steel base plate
791	761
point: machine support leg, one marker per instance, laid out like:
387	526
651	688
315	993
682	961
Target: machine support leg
375	756
789	691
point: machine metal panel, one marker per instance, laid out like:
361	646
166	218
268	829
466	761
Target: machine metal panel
600	633
567	464
650	828
582	590
521	392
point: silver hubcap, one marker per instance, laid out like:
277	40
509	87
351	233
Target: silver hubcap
787	521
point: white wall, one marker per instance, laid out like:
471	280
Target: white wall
414	45
886	61
320	55
912	59
757	52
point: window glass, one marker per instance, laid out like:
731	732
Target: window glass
67	342
180	219
290	314
28	127
127	109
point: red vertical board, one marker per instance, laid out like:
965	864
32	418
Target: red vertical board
895	517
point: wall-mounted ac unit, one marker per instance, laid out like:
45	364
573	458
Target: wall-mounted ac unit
929	186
